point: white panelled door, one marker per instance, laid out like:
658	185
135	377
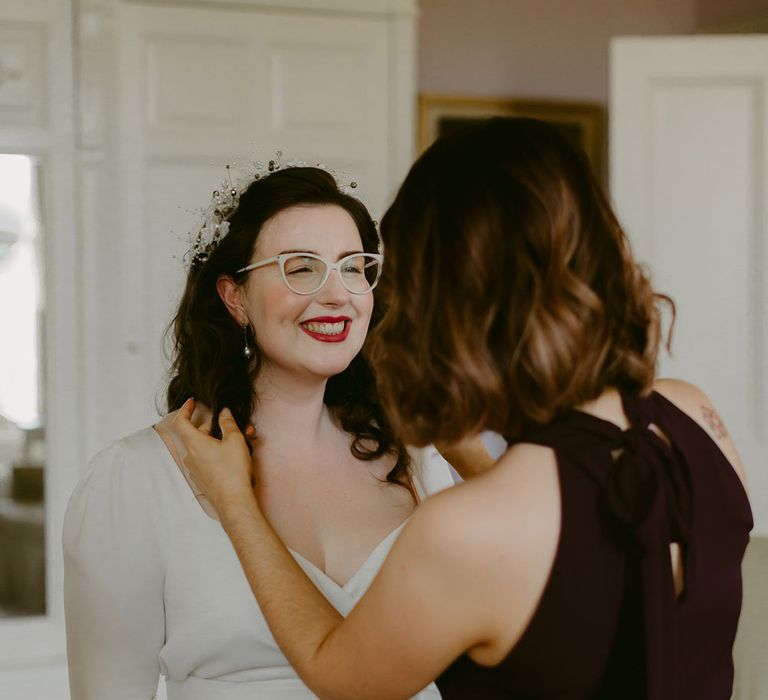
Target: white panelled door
689	157
197	87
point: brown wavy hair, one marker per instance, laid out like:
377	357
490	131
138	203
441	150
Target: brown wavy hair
513	292
207	359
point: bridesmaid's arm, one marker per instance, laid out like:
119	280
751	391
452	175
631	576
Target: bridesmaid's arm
693	401
428	604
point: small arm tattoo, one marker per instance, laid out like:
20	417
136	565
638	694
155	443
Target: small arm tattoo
715	423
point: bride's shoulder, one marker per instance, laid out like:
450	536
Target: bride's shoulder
140	456
123	472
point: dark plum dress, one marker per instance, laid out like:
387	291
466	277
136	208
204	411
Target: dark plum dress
608	624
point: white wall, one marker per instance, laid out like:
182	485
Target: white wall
37	119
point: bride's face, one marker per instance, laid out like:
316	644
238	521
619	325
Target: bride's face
317	334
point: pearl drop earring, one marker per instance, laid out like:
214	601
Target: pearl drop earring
247	349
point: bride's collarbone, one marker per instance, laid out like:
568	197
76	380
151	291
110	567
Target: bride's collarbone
330	507
310	463
325	504
328	481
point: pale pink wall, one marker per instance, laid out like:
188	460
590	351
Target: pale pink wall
530	48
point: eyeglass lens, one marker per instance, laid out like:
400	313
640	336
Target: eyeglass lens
306	275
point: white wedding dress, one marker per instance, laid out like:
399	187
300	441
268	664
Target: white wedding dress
153	586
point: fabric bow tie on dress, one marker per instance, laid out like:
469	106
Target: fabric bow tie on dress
645	489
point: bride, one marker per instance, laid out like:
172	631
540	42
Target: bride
278	302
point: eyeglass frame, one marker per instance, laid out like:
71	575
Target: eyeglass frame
282	257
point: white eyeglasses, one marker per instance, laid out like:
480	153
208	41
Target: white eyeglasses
306	273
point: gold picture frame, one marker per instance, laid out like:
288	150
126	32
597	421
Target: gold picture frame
582	122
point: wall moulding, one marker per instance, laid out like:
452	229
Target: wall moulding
23	56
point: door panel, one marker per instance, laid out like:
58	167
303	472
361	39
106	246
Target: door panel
688	163
200	88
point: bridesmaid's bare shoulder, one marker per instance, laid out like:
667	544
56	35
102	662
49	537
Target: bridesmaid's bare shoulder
690	399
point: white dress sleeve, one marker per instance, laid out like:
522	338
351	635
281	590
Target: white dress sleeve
430	472
113	580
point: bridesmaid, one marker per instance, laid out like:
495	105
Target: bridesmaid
600	556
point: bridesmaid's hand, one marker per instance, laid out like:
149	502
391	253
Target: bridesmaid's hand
222	469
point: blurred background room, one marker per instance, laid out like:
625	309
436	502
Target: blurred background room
117	118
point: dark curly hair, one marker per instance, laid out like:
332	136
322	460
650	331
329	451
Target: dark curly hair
207	358
514	293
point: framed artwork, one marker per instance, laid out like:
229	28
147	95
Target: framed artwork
581	122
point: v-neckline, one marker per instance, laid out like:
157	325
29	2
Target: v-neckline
360	569
296	555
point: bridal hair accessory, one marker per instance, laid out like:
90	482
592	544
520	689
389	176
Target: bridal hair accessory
225	200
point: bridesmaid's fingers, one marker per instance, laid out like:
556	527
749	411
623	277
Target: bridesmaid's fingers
228	424
182	422
186	411
201	415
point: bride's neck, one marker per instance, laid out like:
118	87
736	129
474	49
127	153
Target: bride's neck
289	409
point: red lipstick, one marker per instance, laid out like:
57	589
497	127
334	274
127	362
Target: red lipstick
325	335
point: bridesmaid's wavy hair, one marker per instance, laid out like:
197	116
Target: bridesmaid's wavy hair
207	359
513	292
